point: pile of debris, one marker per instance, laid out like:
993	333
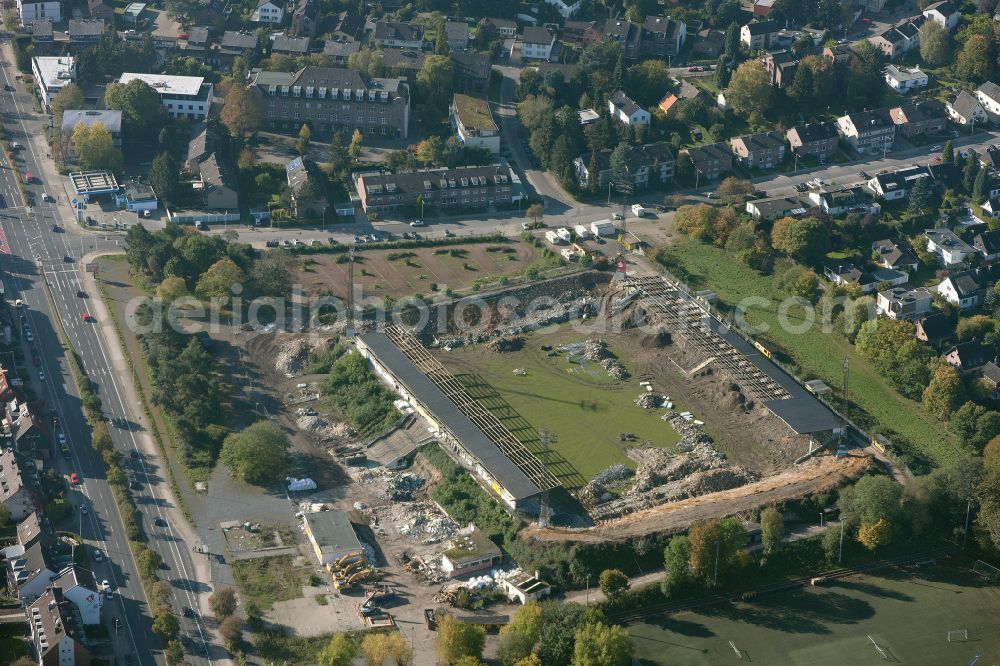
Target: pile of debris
612	475
325	431
506	344
427	570
615	369
595	350
400	488
292	356
420	521
651	400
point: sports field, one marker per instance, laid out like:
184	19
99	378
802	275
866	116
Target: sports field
585	410
907	612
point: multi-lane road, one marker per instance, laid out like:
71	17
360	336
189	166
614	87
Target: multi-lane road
42	243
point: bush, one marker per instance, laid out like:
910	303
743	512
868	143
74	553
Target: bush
223	602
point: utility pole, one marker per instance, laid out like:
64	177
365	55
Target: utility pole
847	403
715	575
588	589
968	510
840	555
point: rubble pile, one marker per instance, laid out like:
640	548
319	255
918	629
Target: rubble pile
613	475
593	493
400	488
595	350
292	355
423	522
651	400
506	344
324	430
518	320
615	369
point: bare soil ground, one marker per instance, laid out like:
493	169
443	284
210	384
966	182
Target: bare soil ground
820	474
455	267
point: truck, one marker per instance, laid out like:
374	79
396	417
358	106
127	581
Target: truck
638	210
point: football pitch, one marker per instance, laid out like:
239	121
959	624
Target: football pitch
907	612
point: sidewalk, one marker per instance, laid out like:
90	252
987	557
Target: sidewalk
120	368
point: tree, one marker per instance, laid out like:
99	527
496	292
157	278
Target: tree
935	44
258	454
598	644
435	83
870	499
613	583
519	636
354	149
536	211
893	348
430	151
733	188
948	153
166	625
139	104
340	651
676	558
223	602
171	289
148	562
272	273
804	239
174	653
877	534
970	171
378	648
530	660
714	541
921	198
749	88
456	639
4	516
721	73
302	144
979	187
772	529
976	60
95	149
240	113
219	280
470	661
164	177
231	631
618	163
945	392
732	43
650	79
69	97
975	425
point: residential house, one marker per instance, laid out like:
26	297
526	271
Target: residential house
78	586
987	244
56	638
951	250
870	6
472	72
218	184
991	207
36	528
404	62
840	54
209	12
268	11
816	139
759	151
903	303
536	43
307	201
565	9
199	148
757	36
990	374
101	9
969	358
709	43
29	11
920	117
648	166
499	26
52	75
711	161
849	274
399	35
111	119
340	51
868	131
935	329
31	573
585	33
457	35
839	202
781	67
966	109
182	96
41	37
895	254
897	184
525	588
988	96
659	37
775	207
761	8
945	14
291	46
962	289
461	187
27	429
473	123
197	43
348	27
900	38
18	490
905	79
626	111
990	158
332	99
305	16
470	551
236	43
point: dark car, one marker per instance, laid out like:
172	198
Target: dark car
134	453
159	522
56	228
68	259
135	485
8	87
189	612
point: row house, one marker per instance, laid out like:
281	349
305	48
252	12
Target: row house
900	38
501	27
988	96
868	131
895	185
969	358
56	637
659	37
649	165
966	109
398	35
537	43
759	151
711	161
895	254
944	13
331	99
781	67
462	187
816	139
918	118
759	35
585	33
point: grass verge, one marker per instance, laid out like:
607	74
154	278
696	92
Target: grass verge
263	581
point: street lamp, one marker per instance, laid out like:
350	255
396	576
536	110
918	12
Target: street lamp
968	510
715	574
588	589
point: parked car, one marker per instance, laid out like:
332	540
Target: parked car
74	479
98	555
937	149
417	223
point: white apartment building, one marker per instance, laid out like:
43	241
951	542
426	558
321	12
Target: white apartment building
29	11
52	75
183	96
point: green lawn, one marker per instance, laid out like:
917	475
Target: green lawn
12	645
818	353
908	613
267	580
579	404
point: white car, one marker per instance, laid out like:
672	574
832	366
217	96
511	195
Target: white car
62	438
41	376
417	223
937	149
84	511
98	556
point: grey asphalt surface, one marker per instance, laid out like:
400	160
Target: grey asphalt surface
35	250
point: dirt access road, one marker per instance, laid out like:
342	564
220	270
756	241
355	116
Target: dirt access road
820	474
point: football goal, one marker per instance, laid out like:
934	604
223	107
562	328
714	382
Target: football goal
878	649
958	635
987	571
